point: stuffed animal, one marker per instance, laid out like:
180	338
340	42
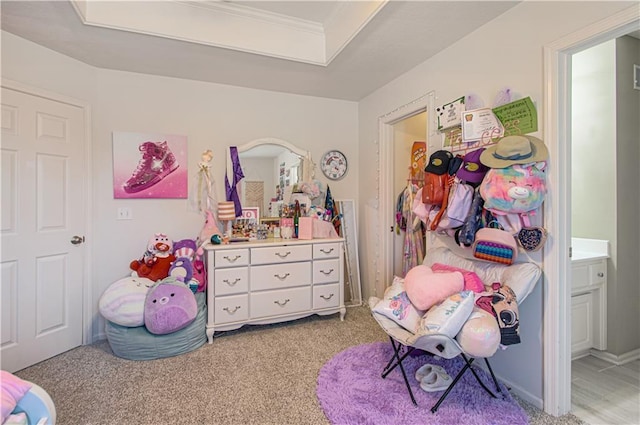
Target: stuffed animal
514	189
182	268
316	212
123	301
209	233
169	307
185	248
156	267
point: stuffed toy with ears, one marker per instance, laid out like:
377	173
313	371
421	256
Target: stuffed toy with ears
182	268
155	267
169	306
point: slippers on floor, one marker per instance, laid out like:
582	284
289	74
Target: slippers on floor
426	369
435	381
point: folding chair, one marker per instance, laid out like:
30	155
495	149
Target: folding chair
521	277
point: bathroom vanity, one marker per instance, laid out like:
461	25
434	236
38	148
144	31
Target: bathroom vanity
588	295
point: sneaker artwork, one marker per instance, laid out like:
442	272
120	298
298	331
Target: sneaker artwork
157	162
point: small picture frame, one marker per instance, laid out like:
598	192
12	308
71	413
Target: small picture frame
270	221
252	213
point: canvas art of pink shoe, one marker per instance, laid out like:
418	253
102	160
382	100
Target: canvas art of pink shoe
156	163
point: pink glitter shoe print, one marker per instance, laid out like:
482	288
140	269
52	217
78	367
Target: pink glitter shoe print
157	162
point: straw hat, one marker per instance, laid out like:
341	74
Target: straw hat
512	150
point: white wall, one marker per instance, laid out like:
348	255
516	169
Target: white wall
212	116
623	309
593	147
506	52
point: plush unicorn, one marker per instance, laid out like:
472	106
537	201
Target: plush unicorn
514	189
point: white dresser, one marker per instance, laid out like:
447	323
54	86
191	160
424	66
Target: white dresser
273	281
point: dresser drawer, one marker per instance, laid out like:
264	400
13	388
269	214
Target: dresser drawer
275	303
276	276
326	250
231	257
234	308
326	271
326	296
280	254
234	280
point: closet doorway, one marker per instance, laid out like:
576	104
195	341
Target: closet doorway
393	178
558	135
408	240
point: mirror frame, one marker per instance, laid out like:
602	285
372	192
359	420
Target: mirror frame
304	155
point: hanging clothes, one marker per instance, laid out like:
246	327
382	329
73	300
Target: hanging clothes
232	189
413	245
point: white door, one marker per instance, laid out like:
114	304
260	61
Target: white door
43	222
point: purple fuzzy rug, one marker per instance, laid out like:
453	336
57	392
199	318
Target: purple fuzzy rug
352	391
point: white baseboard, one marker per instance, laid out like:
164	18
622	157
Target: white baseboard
513	388
617	360
523	394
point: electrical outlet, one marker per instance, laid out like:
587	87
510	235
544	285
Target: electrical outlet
124	213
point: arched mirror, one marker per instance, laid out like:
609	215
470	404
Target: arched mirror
272	169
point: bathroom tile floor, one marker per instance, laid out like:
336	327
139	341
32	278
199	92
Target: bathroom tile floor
603	393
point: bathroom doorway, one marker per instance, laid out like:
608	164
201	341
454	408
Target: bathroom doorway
605	380
557	120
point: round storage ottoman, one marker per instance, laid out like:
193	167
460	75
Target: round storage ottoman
139	344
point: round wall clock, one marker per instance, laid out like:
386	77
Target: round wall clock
334	165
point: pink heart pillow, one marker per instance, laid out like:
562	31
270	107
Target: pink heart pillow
426	288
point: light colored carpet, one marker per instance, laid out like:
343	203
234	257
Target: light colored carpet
255	375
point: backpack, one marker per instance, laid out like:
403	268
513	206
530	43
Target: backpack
515	189
435	178
433	189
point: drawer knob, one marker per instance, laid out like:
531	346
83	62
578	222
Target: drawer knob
281	277
232	260
600	274
324	297
232	283
282	304
326	273
228	310
326	251
285	255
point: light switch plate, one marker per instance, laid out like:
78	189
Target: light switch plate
125	213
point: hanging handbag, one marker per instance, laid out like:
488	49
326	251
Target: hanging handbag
496	245
531	238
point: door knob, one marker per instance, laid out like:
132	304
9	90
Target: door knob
77	240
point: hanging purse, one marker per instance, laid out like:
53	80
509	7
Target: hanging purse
496	245
532	238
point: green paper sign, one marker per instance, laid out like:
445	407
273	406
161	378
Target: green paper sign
518	117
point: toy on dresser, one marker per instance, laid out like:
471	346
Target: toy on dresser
156	261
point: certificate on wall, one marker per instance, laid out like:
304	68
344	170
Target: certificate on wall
518	117
449	114
480	124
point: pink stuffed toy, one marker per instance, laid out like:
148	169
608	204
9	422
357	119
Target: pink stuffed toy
514	189
209	233
426	288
